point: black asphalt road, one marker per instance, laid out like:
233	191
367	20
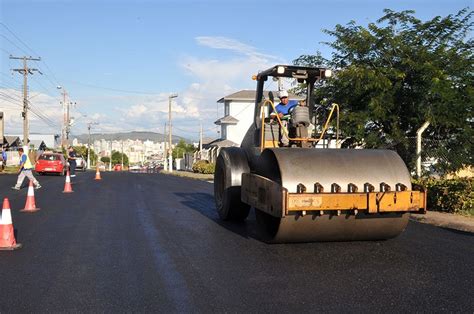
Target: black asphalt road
153	243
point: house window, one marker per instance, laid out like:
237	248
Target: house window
226	109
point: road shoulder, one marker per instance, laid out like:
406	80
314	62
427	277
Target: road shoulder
192	175
446	220
439	219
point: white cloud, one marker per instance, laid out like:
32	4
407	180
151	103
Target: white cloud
97	116
226	43
214	78
136	111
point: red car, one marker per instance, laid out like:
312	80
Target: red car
51	163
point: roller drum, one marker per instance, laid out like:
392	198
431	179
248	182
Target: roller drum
291	167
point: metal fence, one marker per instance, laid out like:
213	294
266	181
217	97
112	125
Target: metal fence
436	160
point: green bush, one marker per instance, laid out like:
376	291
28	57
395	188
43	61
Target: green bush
450	195
204	166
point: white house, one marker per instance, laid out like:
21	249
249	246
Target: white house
239	113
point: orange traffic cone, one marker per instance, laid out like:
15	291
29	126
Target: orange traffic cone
67	185
7	233
30	205
97	174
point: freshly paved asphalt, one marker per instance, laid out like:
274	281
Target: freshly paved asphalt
153	242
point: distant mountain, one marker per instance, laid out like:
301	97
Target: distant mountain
143	136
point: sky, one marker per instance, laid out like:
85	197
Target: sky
120	60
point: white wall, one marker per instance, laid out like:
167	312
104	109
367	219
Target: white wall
242	111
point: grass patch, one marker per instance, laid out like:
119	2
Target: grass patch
450	195
10	170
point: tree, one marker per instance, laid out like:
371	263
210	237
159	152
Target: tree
182	148
394	75
82	150
117	158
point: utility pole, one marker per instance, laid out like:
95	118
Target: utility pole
170	149
63	131
69	121
66	118
165	149
200	140
89	125
122	153
110	160
25	71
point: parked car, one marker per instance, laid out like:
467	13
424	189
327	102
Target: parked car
134	168
51	163
80	163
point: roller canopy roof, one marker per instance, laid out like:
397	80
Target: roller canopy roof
293	71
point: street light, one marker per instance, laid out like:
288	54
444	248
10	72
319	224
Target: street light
170	148
67	121
63	136
89	125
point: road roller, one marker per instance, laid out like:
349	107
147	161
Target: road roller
302	190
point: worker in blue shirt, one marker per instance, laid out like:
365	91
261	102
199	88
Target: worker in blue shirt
4	158
284	107
283	110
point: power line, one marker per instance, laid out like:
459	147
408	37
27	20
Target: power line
21	41
10	76
14	97
116	89
9	86
47	90
25	71
8	100
11	42
7	52
44	118
34	53
56	83
18	98
196	132
35	111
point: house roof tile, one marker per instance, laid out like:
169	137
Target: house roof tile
227	120
247	94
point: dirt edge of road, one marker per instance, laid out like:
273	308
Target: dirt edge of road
446	220
192	175
439	219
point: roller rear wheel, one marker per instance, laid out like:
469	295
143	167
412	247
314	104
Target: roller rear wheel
230	165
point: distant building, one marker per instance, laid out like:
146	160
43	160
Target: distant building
137	151
50	140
